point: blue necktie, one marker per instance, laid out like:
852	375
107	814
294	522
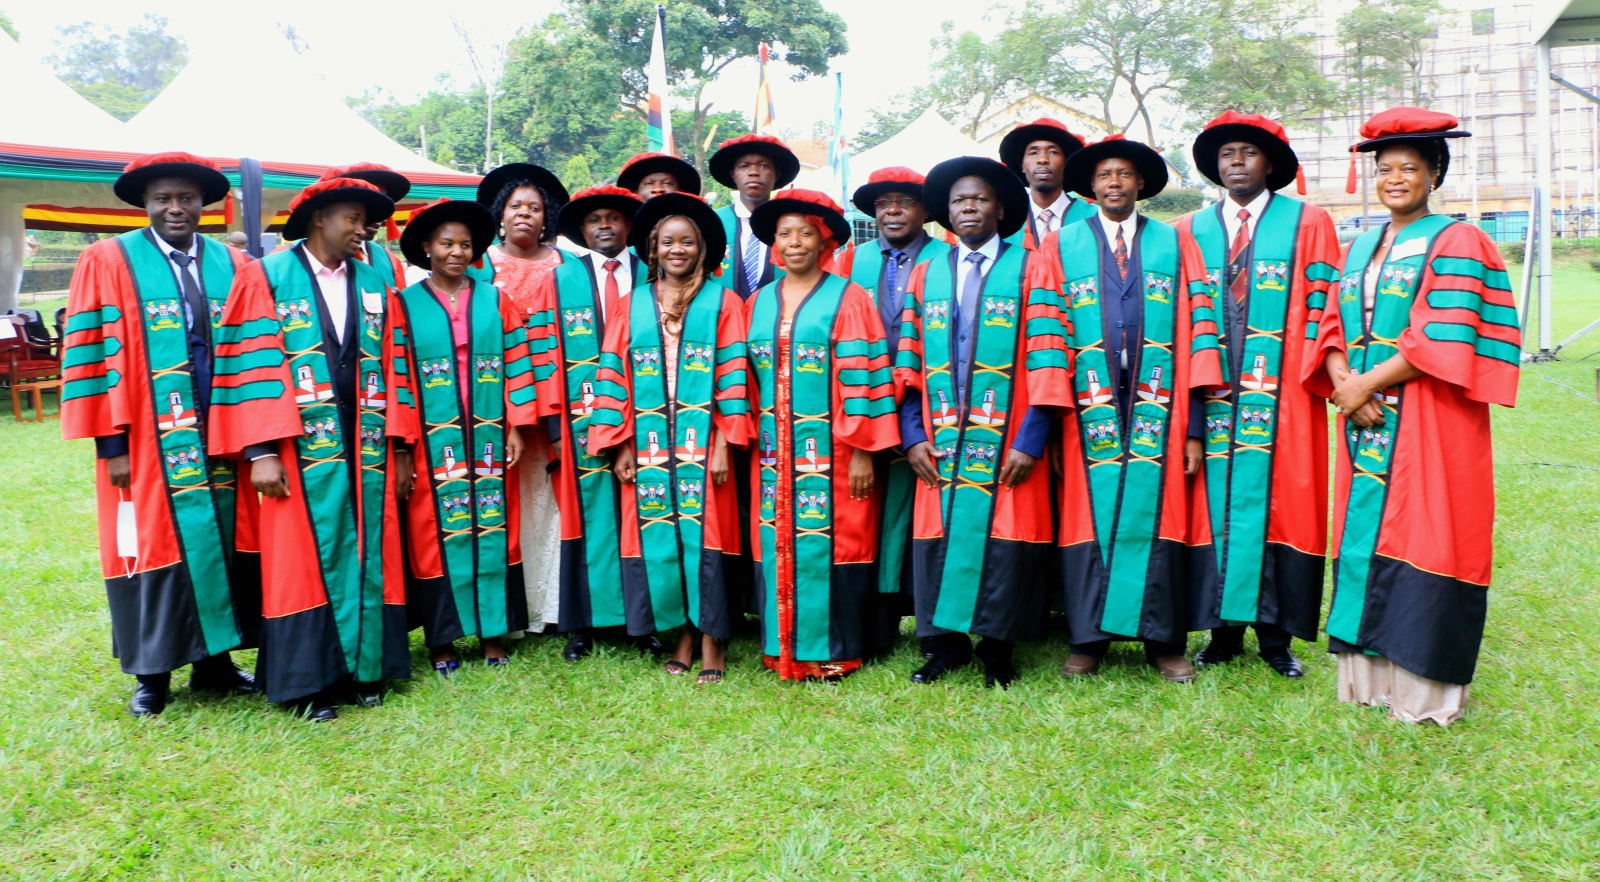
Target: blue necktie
889	300
752	263
968	316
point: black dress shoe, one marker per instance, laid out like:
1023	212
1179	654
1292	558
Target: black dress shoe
149	698
934	670
1214	654
998	673
223	680
577	647
369	694
649	643
315	709
1280	659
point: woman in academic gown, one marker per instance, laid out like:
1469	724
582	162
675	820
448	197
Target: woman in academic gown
1423	338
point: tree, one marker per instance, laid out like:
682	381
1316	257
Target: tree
560	95
1257	59
454	122
9	28
973	75
488	58
704	37
120	73
1385	43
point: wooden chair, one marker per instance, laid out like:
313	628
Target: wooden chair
24	372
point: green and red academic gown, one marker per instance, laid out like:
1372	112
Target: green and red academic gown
464	554
1413	510
679	530
899	482
333	577
1258	530
823	390
977	545
387	265
1124	499
565	334
185	585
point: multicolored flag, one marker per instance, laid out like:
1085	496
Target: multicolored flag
765	120
838	146
658	127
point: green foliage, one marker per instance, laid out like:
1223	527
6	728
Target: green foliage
120	73
1258	58
1385	42
454	122
973	77
9	28
886	122
1174	201
575	174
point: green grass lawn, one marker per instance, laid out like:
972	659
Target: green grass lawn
612	770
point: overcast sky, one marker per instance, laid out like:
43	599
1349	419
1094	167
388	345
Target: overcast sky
402	46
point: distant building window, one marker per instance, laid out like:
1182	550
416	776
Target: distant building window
1482	22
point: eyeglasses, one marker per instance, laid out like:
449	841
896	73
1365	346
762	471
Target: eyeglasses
904	203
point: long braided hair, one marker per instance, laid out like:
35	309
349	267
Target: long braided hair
672	314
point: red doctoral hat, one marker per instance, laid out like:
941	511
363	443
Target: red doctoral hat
729	151
334	190
812	203
1255	129
1410	121
136	175
894	179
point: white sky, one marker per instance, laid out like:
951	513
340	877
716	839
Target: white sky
402	46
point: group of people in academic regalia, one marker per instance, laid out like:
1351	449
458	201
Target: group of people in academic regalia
1053	411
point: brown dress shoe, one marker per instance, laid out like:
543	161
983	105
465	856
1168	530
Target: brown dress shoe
1078	665
1175	669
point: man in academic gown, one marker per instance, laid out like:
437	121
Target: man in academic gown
893	196
571	308
752	166
1139	342
311	389
1038	152
1259	531
395	186
177	541
983	366
651	174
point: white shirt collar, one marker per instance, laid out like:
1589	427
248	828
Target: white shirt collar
167	247
738	207
1256	206
1058	207
1129	227
990	250
318	269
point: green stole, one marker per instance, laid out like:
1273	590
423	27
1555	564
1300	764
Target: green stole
671	438
352	580
1125	464
577	319
1241	420
972	446
469	497
1371	450
810	433
378	258
900	490
1078	209
201	491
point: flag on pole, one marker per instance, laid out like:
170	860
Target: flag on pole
659	124
765	120
838	146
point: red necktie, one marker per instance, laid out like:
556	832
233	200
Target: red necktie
613	294
1120	252
1241	242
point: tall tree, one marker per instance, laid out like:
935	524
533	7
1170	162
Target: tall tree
973	76
1385	43
452	119
704	37
560	95
9	28
487	54
119	72
1257	58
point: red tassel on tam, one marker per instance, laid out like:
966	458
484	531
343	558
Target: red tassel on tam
1350	179
392	230
227	210
1300	181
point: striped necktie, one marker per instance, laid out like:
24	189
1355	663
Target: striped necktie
1240	285
752	261
1120	253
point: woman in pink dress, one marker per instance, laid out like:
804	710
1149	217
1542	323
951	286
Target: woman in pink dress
524	199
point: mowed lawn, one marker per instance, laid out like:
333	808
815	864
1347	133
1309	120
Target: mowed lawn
611	770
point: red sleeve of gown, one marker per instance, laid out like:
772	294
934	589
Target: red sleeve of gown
865	406
255	403
731	415
102	313
1464	327
611	424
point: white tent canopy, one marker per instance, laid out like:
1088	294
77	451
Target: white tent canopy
926	142
213	107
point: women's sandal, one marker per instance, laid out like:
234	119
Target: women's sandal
676	668
711	675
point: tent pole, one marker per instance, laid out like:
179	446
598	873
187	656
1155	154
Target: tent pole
1542	188
250	196
13	251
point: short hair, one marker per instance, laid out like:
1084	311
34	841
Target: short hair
551	208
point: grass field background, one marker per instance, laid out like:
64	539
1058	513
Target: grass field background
611	770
